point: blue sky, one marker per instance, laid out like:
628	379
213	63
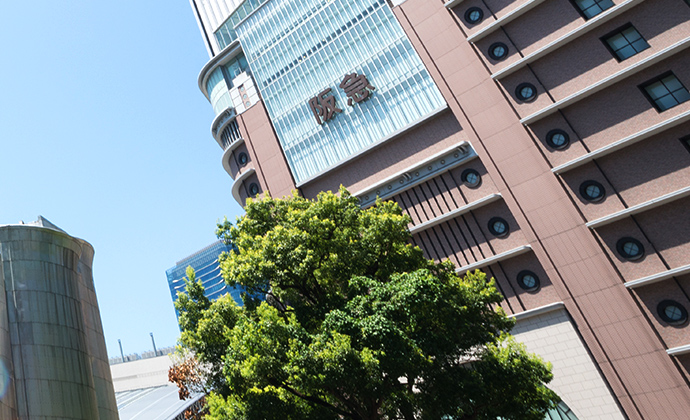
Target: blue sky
104	132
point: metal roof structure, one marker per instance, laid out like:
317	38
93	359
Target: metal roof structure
157	403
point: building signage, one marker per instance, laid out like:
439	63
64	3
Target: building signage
356	87
323	106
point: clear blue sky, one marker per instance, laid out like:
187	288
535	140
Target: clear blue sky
104	132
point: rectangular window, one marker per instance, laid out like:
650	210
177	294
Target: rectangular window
591	8
625	42
665	91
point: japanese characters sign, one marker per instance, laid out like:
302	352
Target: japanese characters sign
356	87
323	106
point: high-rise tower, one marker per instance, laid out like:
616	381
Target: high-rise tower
207	270
544	142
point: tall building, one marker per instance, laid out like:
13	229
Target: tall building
206	268
53	359
546	143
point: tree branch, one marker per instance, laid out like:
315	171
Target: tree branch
317	401
346	401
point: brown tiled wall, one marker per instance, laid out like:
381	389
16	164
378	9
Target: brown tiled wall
233	163
577	266
650	168
652	295
586	60
273	173
622	110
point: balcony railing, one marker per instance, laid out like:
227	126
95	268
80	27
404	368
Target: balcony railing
230	134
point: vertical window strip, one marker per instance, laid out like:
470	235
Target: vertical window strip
393	105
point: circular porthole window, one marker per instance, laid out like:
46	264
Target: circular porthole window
630	248
592	191
471	178
242	158
498	51
672	312
526	92
498	227
474	15
528	280
557	139
253	189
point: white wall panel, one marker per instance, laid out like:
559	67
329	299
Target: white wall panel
576	378
212	13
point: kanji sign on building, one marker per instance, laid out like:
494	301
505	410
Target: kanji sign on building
356	87
323	106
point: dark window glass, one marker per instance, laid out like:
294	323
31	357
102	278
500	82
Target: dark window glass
242	159
557	139
592	191
471	177
672	312
625	42
686	140
253	189
498	51
528	280
630	248
526	92
665	92
498	227
474	15
591	8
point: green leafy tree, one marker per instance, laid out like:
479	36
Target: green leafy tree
344	319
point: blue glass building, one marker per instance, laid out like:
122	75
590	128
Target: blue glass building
205	265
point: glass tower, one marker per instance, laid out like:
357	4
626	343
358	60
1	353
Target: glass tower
207	269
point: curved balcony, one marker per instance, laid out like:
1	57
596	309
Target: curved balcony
226	155
228	53
220	123
238	183
226	132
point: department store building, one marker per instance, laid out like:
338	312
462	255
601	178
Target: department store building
545	142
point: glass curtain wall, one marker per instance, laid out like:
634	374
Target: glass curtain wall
207	270
298	48
219	83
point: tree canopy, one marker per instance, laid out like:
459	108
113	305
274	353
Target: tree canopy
345	319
